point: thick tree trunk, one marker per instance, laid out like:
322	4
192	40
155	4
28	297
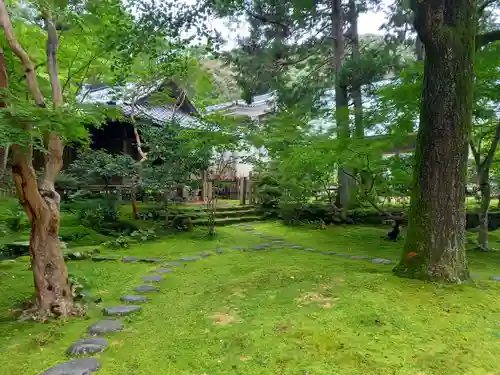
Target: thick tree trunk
41	202
53	293
435	244
484	187
341	101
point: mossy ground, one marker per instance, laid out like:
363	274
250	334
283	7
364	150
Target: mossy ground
271	312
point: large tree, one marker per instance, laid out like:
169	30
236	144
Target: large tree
435	244
43	111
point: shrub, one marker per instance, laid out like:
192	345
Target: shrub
119	242
98	214
182	223
268	192
144	234
80	235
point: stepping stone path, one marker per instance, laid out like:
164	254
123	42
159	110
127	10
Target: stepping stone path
105	326
147	289
173	264
152	279
88	346
381	261
164	270
150	260
134	299
129	259
359	257
188	259
205	254
103	259
120	310
85	366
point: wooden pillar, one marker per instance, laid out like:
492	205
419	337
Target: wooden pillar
250	189
243	190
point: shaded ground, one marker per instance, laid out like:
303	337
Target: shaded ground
277	311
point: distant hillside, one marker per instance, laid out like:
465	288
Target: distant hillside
223	78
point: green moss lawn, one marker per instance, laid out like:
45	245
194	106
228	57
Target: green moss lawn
278	311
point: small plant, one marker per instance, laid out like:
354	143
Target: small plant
144	234
121	242
182	223
99	215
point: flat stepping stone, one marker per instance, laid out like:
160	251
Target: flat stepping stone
297	247
238	248
266	245
88	346
310	249
329	253
105	326
381	261
205	254
84	366
219	251
173	264
188	259
152	279
496	278
146	289
103	259
344	255
164	270
150	260
360	257
278	241
129	259
134	299
120	310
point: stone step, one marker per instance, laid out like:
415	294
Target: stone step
134	299
84	366
88	346
105	326
121	310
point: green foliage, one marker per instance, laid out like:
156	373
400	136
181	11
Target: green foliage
268	192
144	235
121	242
95	166
182	223
99	214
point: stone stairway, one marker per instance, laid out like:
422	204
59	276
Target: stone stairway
223	215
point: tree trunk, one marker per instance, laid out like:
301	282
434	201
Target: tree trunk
53	293
41	202
435	244
357	98
341	101
484	187
419	49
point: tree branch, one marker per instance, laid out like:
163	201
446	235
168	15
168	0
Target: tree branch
16	48
493	148
55	148
487	38
475	153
